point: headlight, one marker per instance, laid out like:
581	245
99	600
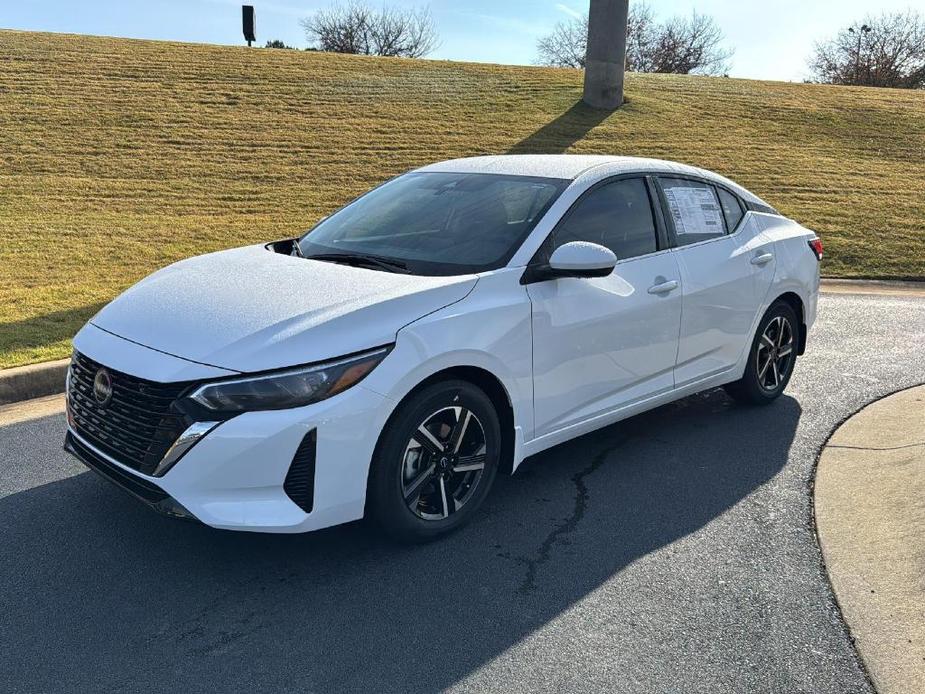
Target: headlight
289	388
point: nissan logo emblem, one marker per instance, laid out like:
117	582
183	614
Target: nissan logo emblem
102	387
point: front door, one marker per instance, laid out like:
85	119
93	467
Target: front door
602	343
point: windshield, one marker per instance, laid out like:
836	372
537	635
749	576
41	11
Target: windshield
438	223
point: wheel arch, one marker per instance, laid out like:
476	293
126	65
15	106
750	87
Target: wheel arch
486	381
793	300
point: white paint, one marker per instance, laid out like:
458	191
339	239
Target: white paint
572	354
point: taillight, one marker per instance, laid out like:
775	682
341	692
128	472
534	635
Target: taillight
816	246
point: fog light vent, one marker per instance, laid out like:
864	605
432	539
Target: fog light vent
300	480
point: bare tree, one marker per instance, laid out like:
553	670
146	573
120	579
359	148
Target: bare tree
681	44
686	44
640	34
357	28
341	28
566	45
884	51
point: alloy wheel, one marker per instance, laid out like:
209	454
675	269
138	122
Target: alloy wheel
774	355
443	463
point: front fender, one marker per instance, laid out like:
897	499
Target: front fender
490	329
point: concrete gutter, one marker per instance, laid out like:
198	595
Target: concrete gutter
33	381
870	517
31	409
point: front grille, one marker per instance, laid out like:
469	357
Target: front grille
137	426
300	480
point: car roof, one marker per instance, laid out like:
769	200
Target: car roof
572	166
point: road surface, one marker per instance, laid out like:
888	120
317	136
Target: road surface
672	552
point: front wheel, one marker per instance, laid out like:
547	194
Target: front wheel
435	462
771	358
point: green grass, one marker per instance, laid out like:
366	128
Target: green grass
118	156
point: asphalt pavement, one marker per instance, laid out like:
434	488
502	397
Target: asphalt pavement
674	551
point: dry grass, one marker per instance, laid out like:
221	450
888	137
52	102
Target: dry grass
119	156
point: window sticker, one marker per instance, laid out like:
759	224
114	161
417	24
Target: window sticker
694	210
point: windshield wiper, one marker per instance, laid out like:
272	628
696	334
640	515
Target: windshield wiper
362	260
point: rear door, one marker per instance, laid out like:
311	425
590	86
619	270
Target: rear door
605	342
717	277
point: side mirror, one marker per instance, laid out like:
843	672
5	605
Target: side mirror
581	259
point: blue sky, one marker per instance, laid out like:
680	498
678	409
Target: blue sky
771	39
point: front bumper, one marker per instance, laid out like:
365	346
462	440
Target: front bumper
108	468
233	477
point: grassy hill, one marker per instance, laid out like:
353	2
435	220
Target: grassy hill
120	156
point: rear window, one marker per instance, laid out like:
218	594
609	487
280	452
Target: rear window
759	207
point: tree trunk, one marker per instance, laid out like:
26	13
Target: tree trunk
605	61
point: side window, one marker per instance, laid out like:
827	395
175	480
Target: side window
617	215
732	209
694	210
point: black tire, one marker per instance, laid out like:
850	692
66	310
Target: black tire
763	380
411	510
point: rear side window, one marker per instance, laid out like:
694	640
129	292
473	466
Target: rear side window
616	215
694	210
732	209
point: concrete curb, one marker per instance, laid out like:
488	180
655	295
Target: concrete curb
885	287
870	516
33	381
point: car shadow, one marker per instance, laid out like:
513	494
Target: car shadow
562	132
99	592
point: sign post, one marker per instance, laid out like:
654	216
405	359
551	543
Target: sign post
250	23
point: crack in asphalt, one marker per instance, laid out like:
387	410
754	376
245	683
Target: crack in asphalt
567	526
876	448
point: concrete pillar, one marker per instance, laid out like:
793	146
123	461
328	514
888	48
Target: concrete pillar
605	61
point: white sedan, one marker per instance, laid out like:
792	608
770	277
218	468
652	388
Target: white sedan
437	330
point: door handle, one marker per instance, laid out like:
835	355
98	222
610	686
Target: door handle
663	287
762	259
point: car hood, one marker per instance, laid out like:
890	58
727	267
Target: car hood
250	309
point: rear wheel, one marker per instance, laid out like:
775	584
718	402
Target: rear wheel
771	358
435	463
